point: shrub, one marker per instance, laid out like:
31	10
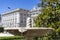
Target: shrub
12	38
1	29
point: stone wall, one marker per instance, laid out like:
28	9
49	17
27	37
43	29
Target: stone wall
30	33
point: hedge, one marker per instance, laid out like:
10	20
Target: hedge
12	38
1	29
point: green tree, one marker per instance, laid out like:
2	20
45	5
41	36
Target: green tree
50	15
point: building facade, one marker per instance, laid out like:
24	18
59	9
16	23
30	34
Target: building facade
20	17
0	20
34	13
15	18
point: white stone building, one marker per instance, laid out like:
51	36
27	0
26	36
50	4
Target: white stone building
20	17
34	13
15	18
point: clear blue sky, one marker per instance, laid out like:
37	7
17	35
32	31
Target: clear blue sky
13	4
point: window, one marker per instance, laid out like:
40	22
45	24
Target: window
21	21
24	14
21	14
36	13
33	13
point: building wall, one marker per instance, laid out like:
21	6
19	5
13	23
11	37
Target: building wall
18	18
15	18
23	18
0	20
34	14
10	20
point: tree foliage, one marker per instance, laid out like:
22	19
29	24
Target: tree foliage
50	15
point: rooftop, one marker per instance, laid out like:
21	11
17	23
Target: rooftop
15	10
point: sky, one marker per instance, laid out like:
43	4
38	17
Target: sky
13	4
